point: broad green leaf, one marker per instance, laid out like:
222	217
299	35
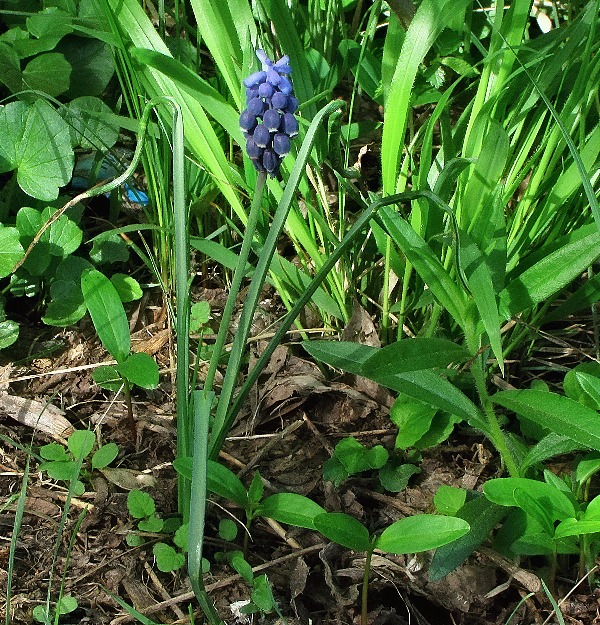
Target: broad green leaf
105	308
536	509
108	377
151	524
439	430
49	73
355	457
66	305
429	387
343	530
593	509
67	471
413	355
553	272
181	536
395	478
42	165
413	418
239	563
449	500
290	508
67	604
482	516
184	466
105	455
9	333
583	298
108	247
334	471
92	123
501	491
54	451
421	532
223	482
587	466
61	238
140	504
51	20
11	250
255	490
343	355
167	559
92	64
582	384
199	315
262	595
81	443
559	414
10	68
574	527
140	369
228	530
64	236
128	288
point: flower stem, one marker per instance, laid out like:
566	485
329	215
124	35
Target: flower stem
365	588
238	276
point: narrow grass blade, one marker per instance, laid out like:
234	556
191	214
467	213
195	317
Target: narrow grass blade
134	26
427	265
431	18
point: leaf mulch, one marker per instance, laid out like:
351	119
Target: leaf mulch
290	427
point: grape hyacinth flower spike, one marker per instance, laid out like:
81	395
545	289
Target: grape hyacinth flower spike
268	121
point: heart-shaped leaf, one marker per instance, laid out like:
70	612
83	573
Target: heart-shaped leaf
35	141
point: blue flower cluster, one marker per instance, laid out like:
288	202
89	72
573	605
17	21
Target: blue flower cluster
268	121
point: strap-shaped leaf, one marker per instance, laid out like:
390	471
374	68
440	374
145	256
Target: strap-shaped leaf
559	414
426	263
549	275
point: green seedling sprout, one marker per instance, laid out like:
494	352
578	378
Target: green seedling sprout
421	532
109	318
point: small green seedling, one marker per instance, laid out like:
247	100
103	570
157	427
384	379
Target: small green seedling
108	315
549	519
410	535
350	457
169	558
289	508
261	596
65	605
61	464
